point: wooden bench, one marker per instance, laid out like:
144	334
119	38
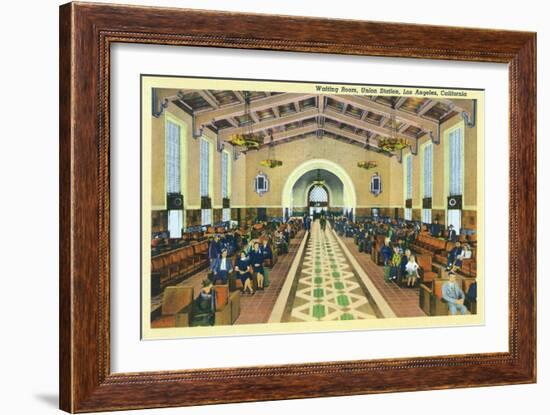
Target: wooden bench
431	295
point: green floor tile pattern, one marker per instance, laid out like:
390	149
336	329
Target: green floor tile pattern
327	289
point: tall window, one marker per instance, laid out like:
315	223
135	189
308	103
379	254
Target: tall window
409	185
455	162
206	214
427	180
456	155
173	175
173	170
409	167
226	212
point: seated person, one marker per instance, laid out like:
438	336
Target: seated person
467	254
204	306
453	295
242	269
257	263
266	249
471	295
455	257
412	271
249	247
281	242
223	268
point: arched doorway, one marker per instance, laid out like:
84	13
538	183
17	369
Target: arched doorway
345	200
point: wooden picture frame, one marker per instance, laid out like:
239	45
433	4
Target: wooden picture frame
86	33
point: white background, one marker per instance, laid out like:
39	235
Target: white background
28	167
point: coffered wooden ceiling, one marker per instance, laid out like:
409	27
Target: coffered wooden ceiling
357	120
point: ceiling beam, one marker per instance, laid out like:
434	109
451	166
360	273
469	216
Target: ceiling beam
346	134
403	127
426	106
232	121
206	117
465	107
239	95
283	135
268	124
321	101
400	101
208	97
384	110
363	125
254	117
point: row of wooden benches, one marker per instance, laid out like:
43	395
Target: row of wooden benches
440	249
179	262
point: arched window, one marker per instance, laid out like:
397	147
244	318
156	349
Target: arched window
318	195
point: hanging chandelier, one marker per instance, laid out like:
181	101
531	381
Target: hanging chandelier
271	161
247	138
393	143
367	164
318	181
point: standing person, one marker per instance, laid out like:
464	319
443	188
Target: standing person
323	222
386	253
267	253
242	268
257	260
214	252
412	271
451	233
453	295
395	262
403	264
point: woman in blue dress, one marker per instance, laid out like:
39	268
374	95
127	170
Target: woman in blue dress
242	270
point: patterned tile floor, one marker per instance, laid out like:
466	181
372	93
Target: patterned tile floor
328	289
